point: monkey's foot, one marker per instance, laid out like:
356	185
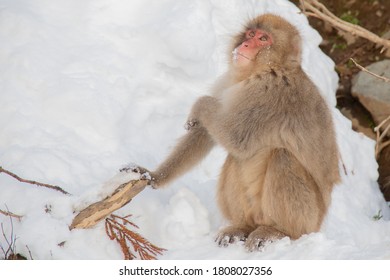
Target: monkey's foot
261	236
144	173
190	124
231	235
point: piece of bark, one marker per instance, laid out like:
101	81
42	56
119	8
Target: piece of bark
97	211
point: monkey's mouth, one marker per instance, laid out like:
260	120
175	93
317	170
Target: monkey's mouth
244	56
236	53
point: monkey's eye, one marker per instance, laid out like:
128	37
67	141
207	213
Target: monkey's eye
252	34
263	38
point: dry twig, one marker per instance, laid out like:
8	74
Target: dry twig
316	9
9	249
57	188
29	252
130	242
10	214
385	79
380	144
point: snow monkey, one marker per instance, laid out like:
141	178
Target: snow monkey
282	156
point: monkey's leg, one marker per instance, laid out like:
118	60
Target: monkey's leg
291	202
231	201
190	149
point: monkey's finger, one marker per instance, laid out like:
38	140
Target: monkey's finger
190	124
223	241
255	244
130	168
135	169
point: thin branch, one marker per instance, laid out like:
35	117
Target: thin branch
377	129
345	169
384	133
10	214
310	7
380	145
381	124
385	79
3	249
57	188
10	251
29	252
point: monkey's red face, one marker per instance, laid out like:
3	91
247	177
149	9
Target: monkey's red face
254	41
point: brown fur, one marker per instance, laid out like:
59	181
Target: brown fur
282	158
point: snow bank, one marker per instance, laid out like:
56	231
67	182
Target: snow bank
86	87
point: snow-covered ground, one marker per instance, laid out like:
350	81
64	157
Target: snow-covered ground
89	86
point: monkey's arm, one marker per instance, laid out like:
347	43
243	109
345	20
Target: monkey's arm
203	113
317	151
190	149
207	112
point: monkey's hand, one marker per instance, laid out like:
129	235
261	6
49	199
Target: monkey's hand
191	123
143	172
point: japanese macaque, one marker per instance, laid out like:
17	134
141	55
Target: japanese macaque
282	160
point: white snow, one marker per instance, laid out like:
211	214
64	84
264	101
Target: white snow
88	86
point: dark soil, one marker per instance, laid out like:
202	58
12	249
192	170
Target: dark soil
373	15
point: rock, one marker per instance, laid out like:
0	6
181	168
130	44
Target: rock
374	93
